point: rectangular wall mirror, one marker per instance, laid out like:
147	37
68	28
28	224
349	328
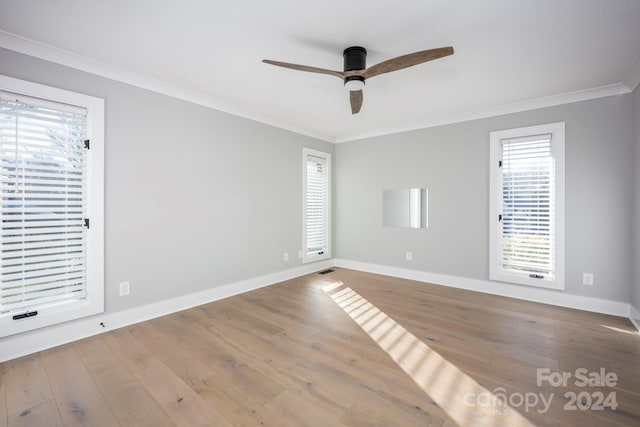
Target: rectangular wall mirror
405	207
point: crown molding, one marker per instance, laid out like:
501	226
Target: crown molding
534	104
49	53
46	52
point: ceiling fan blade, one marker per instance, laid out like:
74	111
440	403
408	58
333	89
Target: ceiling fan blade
406	61
304	68
355	96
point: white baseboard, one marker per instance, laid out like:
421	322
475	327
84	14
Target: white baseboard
42	339
545	296
634	316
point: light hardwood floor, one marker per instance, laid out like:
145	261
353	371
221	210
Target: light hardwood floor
345	348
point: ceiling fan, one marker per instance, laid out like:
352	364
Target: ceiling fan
355	71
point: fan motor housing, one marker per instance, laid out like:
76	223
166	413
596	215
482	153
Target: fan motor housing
355	58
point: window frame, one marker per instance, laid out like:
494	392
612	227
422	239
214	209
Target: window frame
49	315
496	271
313	257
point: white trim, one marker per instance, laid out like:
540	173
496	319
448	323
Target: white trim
534	104
69	59
526	293
634	316
41	339
496	270
94	302
306	258
29	47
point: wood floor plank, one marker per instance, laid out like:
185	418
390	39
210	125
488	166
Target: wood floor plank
372	413
224	314
321	382
42	414
29	398
296	411
129	401
328	374
310	358
338	388
393	352
78	399
182	404
223	394
3	406
223	360
251	395
240	408
161	343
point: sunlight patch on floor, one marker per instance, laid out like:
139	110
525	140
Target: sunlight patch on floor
624	331
447	385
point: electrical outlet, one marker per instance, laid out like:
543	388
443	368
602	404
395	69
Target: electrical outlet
587	279
286	257
125	288
409	256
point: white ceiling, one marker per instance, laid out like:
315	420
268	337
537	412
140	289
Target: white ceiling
510	55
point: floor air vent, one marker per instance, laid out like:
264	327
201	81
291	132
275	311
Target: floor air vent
326	271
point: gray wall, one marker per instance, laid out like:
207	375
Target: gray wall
452	162
635	290
194	198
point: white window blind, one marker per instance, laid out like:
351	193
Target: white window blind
43	175
528	206
316	205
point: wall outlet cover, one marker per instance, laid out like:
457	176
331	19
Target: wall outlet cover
125	288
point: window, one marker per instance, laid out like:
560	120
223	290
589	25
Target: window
527	206
316	209
51	183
